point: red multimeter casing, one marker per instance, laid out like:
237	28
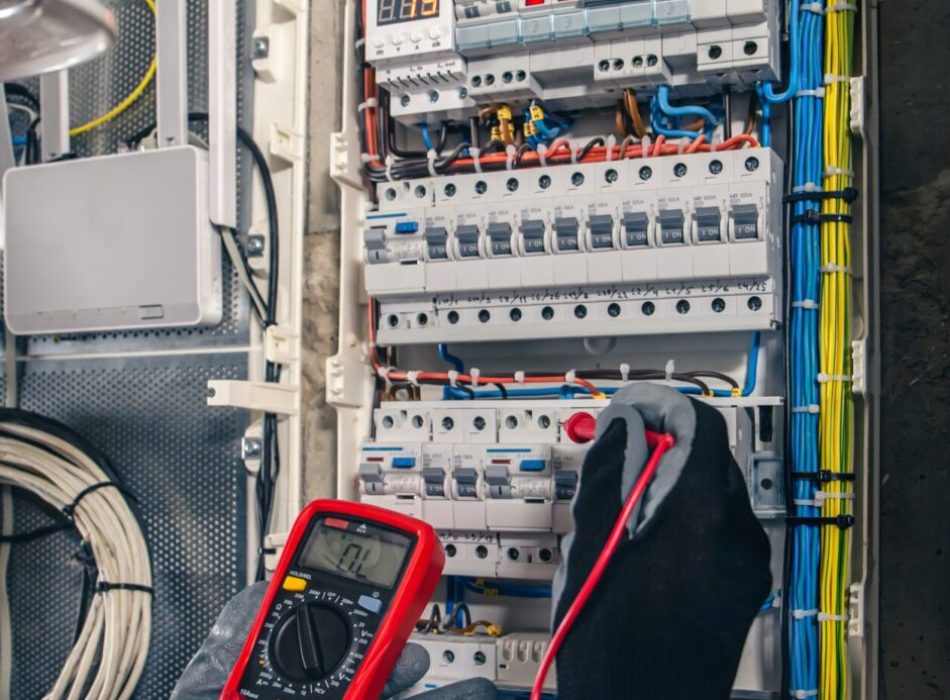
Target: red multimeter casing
341	605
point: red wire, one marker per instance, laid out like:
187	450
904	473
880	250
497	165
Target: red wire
661	443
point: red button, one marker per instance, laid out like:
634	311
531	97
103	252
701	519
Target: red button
581	428
337	523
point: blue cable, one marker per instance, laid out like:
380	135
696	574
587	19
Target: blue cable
663	101
768	93
453	360
426	139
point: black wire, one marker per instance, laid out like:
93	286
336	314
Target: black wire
23	93
598	141
727	112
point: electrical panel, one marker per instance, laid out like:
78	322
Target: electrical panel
547	200
651	245
439	58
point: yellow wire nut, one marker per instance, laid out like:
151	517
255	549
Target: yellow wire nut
504	112
736	392
129	99
536	113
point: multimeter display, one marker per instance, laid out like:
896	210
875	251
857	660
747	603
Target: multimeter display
347	592
369	554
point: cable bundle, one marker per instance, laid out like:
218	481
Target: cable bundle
836	432
57	465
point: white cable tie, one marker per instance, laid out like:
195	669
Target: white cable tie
815	7
625	371
413	377
804	694
828	617
369	157
645	147
611	142
542	151
825	378
453	378
804	502
805	304
570	376
670	370
682	145
519	376
574	153
812	408
831	268
832	495
817	92
510	151
389	167
371	103
474	152
843	7
802	614
430	157
832	170
358	44
807	187
384	372
474	373
830	79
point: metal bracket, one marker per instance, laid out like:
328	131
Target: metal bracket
286	143
255	396
859	366
856	610
280	345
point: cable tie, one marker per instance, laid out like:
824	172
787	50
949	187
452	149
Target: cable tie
358	44
807	503
848	195
826	378
106	586
815	7
70	508
828	617
389	167
809	304
519	376
570	376
430	157
843	7
475	152
807	187
832	170
645	147
804	694
474	373
510	156
624	372
802	614
823	476
384	372
832	268
453	378
831	79
573	153
817	92
836	219
542	152
842	522
369	157
834	495
413	377
812	408
670	370
611	142
371	103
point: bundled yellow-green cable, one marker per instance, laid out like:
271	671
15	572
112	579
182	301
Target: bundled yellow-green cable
836	430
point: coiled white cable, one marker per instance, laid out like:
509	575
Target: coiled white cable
109	655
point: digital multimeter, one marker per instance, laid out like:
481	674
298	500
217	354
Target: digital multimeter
350	586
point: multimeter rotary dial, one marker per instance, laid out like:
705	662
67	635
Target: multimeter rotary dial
310	642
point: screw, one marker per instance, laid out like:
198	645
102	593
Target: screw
390	194
577	179
255	245
448	424
682	306
580	311
752	164
422	319
481	187
448	656
511	422
512	184
715	52
515	314
544	182
680	169
476	81
718	305
388	422
715	167
481	551
433	96
611	176
478	423
652	60
450	550
513	553
479	658
544	422
450	190
404	100
618	64
637	61
613	310
521	75
544	554
507	77
393	320
453	317
754	303
420	191
489	79
750	48
484	315
646	172
463	93
260	48
648	308
251	448
547	313
603	66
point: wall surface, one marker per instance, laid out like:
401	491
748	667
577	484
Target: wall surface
915	306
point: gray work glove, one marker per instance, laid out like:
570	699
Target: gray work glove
208	671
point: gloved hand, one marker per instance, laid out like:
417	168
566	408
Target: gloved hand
669	618
208	671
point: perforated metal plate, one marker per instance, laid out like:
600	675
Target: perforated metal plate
182	460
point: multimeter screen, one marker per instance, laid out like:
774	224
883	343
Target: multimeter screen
356	551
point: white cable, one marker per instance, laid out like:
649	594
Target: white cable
109	656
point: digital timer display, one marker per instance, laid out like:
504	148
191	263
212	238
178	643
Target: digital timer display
363	552
394	11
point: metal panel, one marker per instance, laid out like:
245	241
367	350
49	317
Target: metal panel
182	460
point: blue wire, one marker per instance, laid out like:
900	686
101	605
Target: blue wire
663	101
507	589
426	139
19	141
453	360
794	79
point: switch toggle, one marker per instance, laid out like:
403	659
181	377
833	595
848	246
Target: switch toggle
636	228
436	243
745	219
499	234
467	236
672	227
532	231
708	225
601	231
566	229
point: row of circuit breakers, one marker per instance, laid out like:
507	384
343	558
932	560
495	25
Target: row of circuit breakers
496	480
647	245
441	58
